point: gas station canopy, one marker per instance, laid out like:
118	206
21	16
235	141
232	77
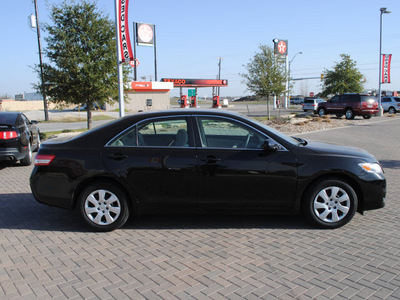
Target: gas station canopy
181	82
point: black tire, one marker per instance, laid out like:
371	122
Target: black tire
321	112
27	160
104	206
367	117
330	203
392	110
349	114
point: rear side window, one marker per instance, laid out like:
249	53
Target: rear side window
397	99
365	98
352	98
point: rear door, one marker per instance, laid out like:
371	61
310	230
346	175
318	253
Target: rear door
157	159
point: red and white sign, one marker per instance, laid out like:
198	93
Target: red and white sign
386	60
311	94
123	31
132	62
282	47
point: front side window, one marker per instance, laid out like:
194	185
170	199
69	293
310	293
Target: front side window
158	132
226	133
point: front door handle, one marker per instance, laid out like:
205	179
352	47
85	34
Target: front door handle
117	156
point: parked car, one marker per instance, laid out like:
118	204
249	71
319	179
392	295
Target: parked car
296	100
311	103
95	107
213	161
350	105
390	104
18	137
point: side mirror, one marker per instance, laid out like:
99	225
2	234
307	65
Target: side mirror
270	147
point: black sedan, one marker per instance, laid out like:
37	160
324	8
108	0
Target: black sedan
203	161
18	137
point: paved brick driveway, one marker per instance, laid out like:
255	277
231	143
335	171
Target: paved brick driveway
47	253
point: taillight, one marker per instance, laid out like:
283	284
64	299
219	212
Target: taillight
44	159
8	135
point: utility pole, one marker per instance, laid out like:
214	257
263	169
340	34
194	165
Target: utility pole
46	111
219	72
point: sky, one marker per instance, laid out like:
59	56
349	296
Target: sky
191	35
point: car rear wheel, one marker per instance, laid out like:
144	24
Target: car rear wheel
321	112
103	206
339	116
331	203
392	110
27	160
367	117
349	114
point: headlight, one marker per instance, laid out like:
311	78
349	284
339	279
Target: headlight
371	167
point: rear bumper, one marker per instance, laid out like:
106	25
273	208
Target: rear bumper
11	154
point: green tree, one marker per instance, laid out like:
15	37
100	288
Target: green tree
344	78
265	75
82	56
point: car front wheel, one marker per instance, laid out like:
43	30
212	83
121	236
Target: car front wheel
330	203
103	206
392	110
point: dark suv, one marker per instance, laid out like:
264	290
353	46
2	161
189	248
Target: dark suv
350	105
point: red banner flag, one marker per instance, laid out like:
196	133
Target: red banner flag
387	58
123	31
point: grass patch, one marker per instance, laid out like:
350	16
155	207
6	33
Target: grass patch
74	119
46	135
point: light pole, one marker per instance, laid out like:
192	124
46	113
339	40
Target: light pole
43	89
383	10
290	63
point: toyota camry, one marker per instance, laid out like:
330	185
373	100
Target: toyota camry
203	161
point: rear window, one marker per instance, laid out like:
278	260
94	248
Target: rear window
8	119
368	98
309	101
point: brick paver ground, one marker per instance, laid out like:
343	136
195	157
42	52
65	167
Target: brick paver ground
48	253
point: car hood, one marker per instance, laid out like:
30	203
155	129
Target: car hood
337	150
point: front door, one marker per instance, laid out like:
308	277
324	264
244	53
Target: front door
236	171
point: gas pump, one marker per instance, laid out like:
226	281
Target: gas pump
193	101
184	103
216	103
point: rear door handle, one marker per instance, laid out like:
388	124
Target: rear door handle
210	159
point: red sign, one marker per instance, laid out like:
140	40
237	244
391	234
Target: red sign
311	94
123	31
282	47
132	62
387	58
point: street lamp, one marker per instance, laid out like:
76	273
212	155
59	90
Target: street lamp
383	10
290	63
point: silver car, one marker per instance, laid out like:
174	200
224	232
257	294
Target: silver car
390	104
311	103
